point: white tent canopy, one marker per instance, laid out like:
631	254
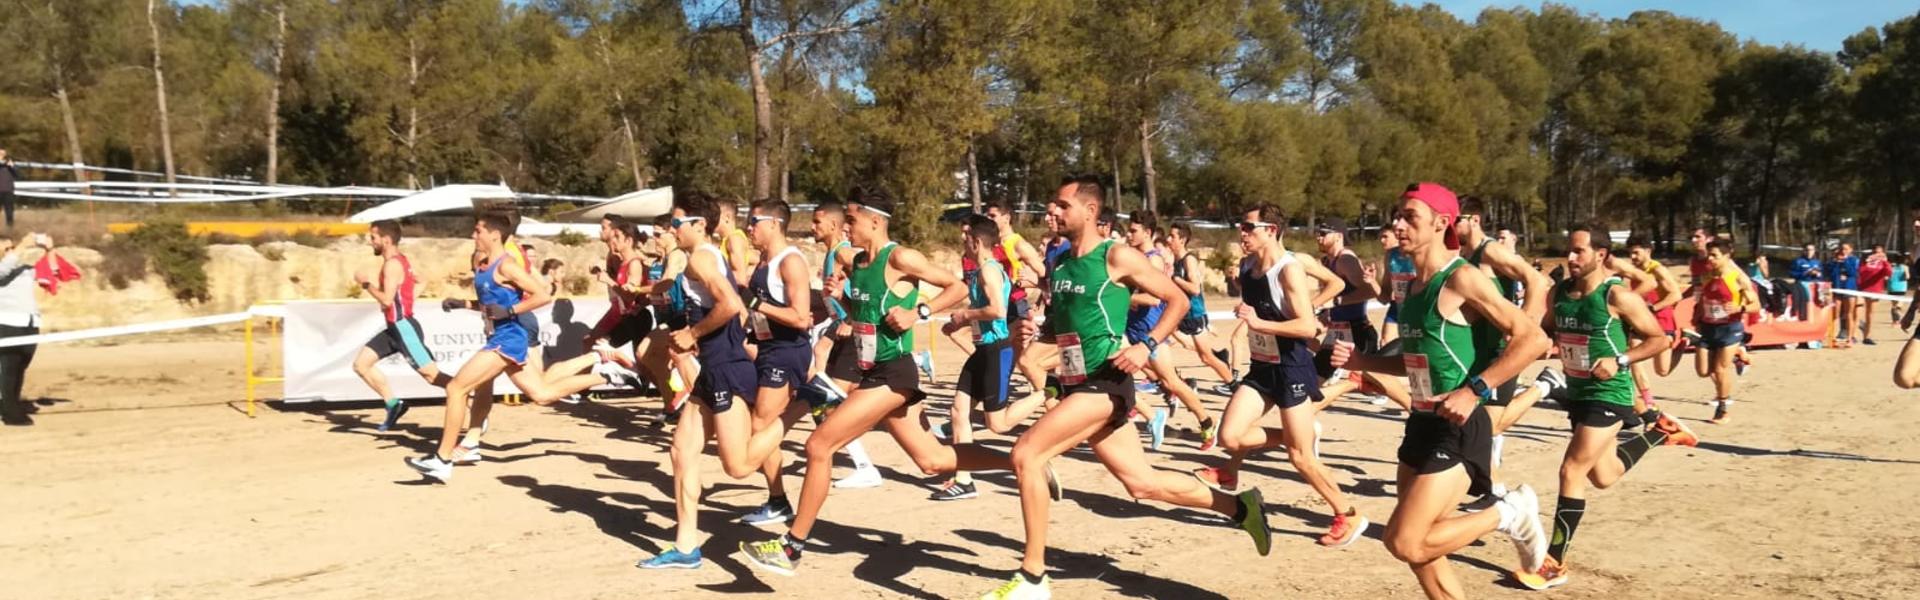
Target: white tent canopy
446	198
639	206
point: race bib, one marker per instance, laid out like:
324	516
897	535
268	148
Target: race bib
758	321
979	332
1263	348
865	343
1073	360
1573	355
1419	381
1718	311
1340	332
1401	283
1824	292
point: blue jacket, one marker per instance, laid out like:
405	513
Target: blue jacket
1844	274
1802	269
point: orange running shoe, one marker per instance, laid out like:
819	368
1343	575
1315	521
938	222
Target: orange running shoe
1678	434
1551	574
1344	531
1218	479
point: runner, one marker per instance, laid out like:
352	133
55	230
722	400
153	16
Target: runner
1874	273
830	228
394	291
1720	317
1194	327
1519	283
505	290
1660	300
986	376
1090	295
628	318
1700	267
1025	268
1281	330
1445	455
1347	320
883	302
735	248
1400	273
779	315
1144	314
1906	372
1592	313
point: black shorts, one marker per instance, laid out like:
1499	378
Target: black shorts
843	361
1284	386
987	374
1116	384
1433	445
898	374
720	384
1021	310
402	337
1599	415
631	328
1193	325
1504	394
781	365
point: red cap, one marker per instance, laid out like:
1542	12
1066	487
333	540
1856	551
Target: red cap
1442	201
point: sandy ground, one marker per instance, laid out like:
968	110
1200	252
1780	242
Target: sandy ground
143	479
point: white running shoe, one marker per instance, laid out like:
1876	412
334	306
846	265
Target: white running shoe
616	374
1528	535
467	455
861	478
432	466
1018	589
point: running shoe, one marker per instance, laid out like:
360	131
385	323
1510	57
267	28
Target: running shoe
1720	416
1344	531
1740	366
673	558
954	490
467	455
616	374
770	555
1255	521
1054	487
939	431
1224	388
1209	435
1158	428
1146	387
1528	536
826	386
1678	434
1550	575
432	466
1868	341
1018	589
868	477
924	360
1218	479
769	513
394	412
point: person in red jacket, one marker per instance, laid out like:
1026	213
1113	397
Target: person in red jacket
1874	272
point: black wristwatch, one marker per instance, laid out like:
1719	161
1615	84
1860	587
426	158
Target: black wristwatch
1152	344
926	312
1479	387
753	303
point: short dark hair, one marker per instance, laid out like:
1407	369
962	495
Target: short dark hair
831	207
1472	205
1086	187
1597	236
1639	241
662	222
1725	246
1268	213
387	227
1185	230
725	205
497	222
547	266
699	204
1145	219
773	207
876	199
629	230
1107	217
999	204
982	227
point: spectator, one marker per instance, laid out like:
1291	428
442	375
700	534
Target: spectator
1843	271
1897	284
1805	270
1874	272
19	316
7	176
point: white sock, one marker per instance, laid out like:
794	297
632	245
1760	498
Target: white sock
1499	442
858	453
1509	515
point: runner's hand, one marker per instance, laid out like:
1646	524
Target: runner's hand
682	340
1605	369
952	326
1132	359
1458	405
1244	312
495	312
843	330
901	319
1342	352
360	277
453	304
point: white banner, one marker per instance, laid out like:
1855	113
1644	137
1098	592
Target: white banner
322	339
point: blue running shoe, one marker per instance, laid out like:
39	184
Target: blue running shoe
1158	427
768	514
394	412
673	558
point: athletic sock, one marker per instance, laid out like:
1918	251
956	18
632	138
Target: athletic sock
392	402
858	453
1221	354
1499	443
780	502
1239	511
794	546
1032	579
963	478
1631	450
1566	518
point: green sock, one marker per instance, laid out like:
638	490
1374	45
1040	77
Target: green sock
392	402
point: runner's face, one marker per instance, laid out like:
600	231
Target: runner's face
1581	257
1718	259
1417	225
690	230
1387	240
765	231
1139	237
1069	212
606	231
862	224
1641	255
1700	239
1004	220
824	225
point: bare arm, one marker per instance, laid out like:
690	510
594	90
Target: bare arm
534	293
1639	319
796	314
1304	325
1526	341
1132	269
1330	284
992	282
737	251
1351	269
1669	288
1508	264
726	301
1030	261
1187	284
914	265
390	279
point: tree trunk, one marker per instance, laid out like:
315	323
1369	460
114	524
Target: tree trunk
160	95
73	130
762	104
412	140
1152	199
273	95
620	108
973	180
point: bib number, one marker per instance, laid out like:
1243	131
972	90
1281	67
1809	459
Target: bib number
1573	355
1718	312
1401	283
1340	332
1419	381
760	329
1263	348
1073	359
865	343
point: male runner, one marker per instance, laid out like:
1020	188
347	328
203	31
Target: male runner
1661	300
779	315
1445	456
1519	283
628	319
1592	311
1348	320
1701	268
1906	371
830	344
884	304
1400	274
1144	314
394	291
1720	319
986	376
1281	330
1025	269
1089	298
735	248
1194	327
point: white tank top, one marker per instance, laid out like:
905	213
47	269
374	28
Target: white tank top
698	294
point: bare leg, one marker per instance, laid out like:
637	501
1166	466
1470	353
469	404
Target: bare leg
1422	535
363	365
1906	372
479	370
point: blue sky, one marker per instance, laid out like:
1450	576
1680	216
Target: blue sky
1816	24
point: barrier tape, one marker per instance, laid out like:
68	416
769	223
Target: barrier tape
156	326
1873	296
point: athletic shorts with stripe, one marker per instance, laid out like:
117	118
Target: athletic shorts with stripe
402	337
1115	384
987	373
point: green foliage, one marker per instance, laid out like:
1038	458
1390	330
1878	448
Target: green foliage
577	284
164	245
572	239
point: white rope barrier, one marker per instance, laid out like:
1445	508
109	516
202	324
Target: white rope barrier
156	326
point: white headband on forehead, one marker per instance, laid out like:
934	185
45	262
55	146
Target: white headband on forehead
876	211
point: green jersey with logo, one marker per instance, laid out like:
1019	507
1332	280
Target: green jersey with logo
1439	354
872	299
1088	303
1588	333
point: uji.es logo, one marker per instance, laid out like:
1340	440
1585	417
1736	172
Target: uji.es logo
1063	286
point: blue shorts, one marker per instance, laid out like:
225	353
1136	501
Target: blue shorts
402	337
720	383
987	373
1284	386
782	365
1393	312
1728	335
511	340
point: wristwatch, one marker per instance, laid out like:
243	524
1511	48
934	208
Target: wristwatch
1624	362
1479	387
1152	344
926	312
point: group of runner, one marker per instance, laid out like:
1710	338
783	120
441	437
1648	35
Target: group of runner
1080	321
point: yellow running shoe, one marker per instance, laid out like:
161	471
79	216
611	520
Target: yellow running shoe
1018	589
1551	574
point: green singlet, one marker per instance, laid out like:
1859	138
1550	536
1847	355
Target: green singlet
1484	333
1587	332
1439	354
872	300
1088	303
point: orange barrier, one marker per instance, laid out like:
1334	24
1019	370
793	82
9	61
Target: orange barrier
1776	332
249	229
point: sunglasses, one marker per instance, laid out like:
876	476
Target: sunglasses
1250	226
757	219
678	221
